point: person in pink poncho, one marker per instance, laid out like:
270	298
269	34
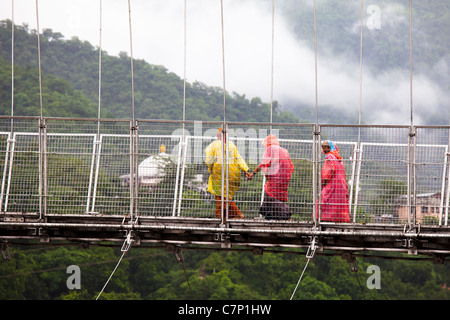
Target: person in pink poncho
277	167
334	203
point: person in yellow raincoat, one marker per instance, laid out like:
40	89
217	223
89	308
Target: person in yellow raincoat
214	160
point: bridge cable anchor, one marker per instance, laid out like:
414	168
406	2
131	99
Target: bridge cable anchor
127	243
353	268
312	248
5	251
309	255
178	252
351	261
408	242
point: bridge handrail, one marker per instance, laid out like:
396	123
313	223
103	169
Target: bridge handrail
62	165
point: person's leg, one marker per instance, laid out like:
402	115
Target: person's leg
265	208
274	209
234	212
218	206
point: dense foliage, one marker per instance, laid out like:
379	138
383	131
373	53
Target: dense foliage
41	273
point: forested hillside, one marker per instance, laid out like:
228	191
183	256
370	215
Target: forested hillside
75	64
41	273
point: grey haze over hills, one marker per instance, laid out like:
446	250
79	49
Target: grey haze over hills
386	59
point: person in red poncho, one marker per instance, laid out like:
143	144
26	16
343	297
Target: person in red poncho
277	167
334	195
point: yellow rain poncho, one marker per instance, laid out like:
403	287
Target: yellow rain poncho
214	161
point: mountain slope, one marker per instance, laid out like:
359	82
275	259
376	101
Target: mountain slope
158	92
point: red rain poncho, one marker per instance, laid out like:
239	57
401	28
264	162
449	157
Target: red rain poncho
334	195
277	167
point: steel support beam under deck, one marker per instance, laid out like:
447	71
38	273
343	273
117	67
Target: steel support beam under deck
428	240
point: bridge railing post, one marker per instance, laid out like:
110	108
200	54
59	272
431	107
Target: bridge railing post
411	177
316	189
447	197
225	172
134	172
42	168
8	151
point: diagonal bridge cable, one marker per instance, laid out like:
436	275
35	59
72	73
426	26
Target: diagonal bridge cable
117	265
300	278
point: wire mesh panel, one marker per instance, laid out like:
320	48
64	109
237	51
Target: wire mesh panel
69	172
111	187
199	193
382	176
20	164
193	198
286	156
158	173
69	164
22	191
431	175
160	166
5	147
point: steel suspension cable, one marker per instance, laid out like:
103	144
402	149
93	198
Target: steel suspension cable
411	153
97	147
117	265
42	185
272	66
312	247
271	88
224	213
300	278
183	146
99	68
410	64
8	145
315	134
358	146
12	63
133	145
184	66
223	61
131	61
361	68
315	63
39	56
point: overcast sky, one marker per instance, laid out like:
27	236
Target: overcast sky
158	38
158	35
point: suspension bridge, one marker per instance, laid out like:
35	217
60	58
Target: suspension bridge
118	185
139	182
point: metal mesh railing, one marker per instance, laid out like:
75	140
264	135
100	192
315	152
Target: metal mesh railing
394	174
